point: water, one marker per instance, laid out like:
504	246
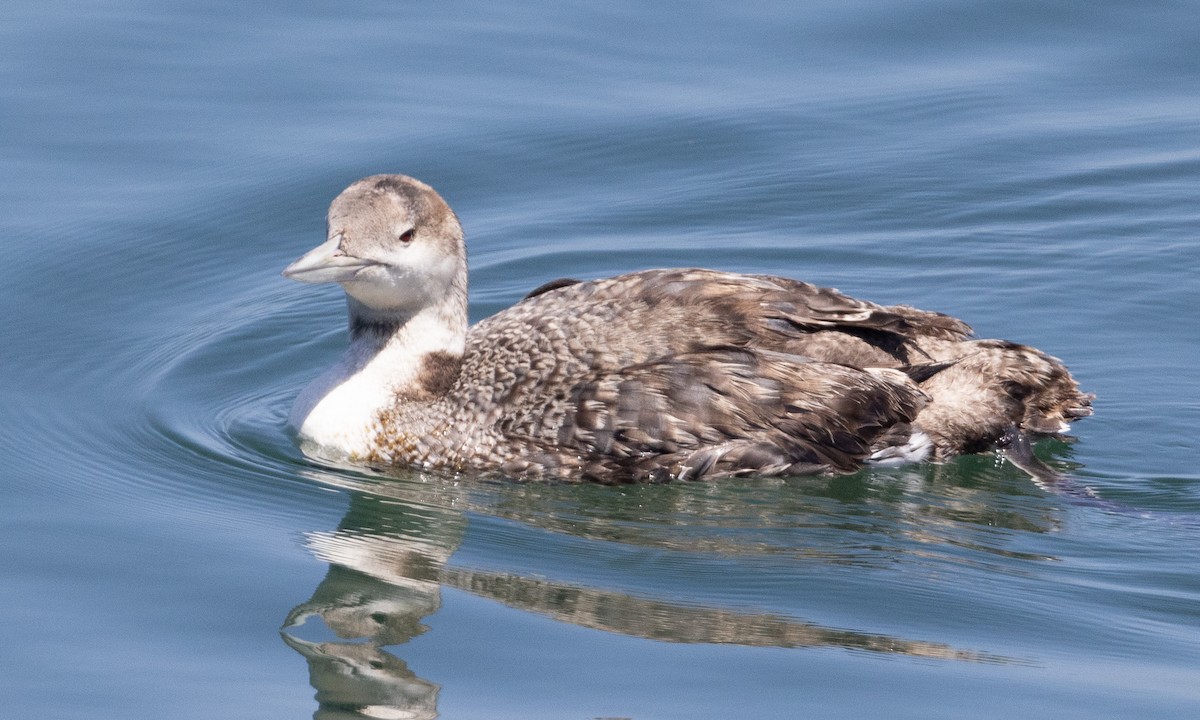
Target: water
1030	167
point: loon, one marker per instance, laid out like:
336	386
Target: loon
651	376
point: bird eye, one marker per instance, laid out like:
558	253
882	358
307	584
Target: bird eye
407	236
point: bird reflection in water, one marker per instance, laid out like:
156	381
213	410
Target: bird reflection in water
389	559
359	680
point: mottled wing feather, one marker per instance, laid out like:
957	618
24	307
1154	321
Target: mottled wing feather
788	316
730	411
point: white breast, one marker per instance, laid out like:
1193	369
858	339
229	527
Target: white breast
339	412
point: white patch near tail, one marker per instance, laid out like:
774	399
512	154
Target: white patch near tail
918	448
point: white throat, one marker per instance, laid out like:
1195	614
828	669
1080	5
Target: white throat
340	410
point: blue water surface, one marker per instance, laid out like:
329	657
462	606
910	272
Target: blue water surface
1031	167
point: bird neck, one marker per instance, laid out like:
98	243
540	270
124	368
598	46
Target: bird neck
417	353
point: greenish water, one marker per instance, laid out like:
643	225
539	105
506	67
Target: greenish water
1032	168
